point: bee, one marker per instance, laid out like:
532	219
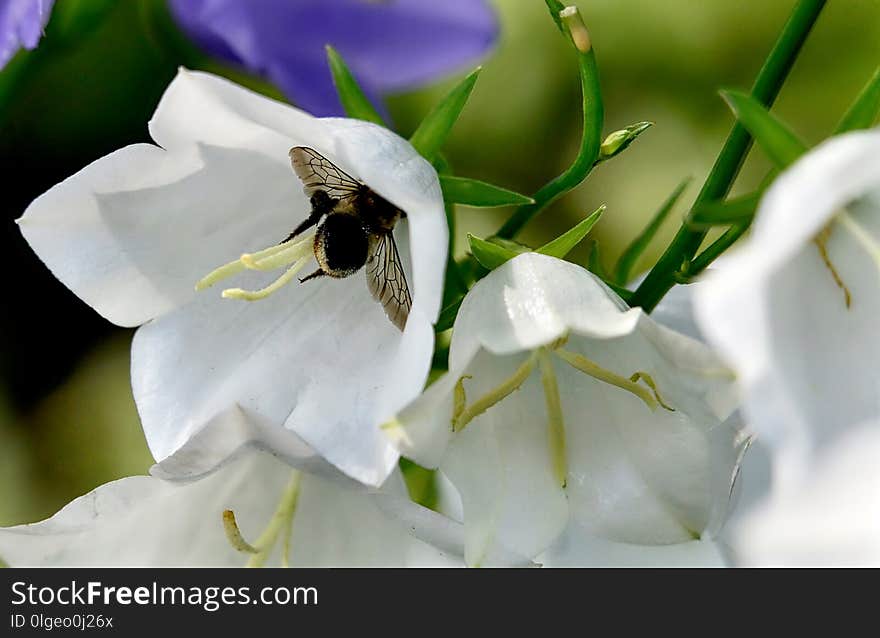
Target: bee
354	229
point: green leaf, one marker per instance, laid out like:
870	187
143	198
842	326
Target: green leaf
489	254
864	111
472	192
734	211
431	134
629	257
447	316
555	7
353	98
619	141
778	141
564	244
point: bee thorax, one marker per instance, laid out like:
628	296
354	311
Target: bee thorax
378	213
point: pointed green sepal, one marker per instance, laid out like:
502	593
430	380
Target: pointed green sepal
491	254
354	101
594	262
627	261
775	138
619	141
739	210
431	134
511	245
472	192
864	111
447	316
564	244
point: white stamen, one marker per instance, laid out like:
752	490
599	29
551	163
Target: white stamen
280	523
233	534
862	236
504	389
262	293
294	250
593	369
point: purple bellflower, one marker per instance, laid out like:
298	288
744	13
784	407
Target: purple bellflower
389	45
21	25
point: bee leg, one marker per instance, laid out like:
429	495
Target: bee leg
310	221
314	275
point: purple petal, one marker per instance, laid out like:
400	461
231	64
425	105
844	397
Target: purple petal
390	45
21	25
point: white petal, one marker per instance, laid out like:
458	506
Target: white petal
235	432
676	311
151	522
337	527
444	534
753	482
131	233
207	109
805	361
423	429
531	301
642	476
146	521
831	517
323	360
732	446
500	465
577	548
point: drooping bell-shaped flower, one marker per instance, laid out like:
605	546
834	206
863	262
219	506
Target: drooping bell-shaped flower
564	409
134	233
390	46
794	310
223	500
21	25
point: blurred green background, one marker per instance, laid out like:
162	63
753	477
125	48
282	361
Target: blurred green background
67	419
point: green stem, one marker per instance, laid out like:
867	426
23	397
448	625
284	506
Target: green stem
591	140
767	85
715	250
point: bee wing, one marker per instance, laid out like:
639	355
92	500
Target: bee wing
317	173
386	280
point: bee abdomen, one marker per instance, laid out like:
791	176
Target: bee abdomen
341	245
